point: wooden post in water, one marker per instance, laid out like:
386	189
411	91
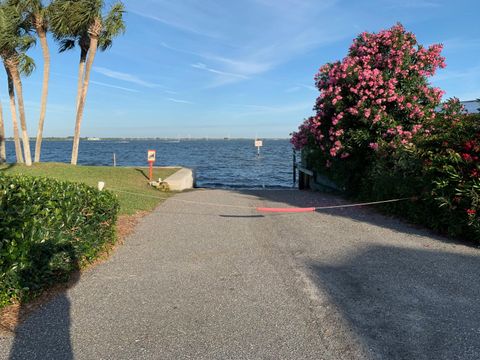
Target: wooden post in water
114	160
294	168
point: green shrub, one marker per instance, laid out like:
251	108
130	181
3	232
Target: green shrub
48	229
442	169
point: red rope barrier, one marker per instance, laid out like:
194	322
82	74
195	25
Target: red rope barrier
286	210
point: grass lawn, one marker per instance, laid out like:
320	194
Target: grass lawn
131	179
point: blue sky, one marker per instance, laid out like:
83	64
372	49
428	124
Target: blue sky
239	68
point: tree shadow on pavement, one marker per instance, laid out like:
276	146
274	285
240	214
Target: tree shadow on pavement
43	330
407	303
365	214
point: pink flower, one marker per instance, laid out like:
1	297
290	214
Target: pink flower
373	146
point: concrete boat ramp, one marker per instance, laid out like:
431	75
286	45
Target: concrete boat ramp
205	276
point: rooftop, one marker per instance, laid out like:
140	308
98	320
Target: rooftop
472	106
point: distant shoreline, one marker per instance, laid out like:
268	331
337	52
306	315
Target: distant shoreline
151	139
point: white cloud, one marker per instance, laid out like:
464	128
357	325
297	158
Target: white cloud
293	89
249	38
202	66
309	87
179	101
123	77
177	23
299	87
114	86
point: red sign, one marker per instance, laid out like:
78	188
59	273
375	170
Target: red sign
151	156
151	159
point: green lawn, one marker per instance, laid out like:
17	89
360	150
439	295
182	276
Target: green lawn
130	179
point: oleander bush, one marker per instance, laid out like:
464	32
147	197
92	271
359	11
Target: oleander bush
442	169
48	229
380	132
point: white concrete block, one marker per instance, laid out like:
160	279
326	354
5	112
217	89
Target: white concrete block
183	179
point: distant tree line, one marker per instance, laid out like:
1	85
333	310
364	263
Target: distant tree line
83	23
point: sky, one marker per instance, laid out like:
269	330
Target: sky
245	68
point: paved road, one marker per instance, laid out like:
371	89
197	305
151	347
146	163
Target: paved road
204	282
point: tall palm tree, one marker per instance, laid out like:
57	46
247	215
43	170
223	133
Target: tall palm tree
37	16
83	41
3	152
13	110
83	21
14	42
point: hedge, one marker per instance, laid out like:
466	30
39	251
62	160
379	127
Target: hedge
48	229
442	170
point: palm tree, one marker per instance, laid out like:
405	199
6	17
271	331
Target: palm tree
3	153
83	41
37	14
13	110
82	21
14	42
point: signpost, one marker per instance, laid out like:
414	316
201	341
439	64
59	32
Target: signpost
258	144
151	159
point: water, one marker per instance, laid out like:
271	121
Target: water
217	163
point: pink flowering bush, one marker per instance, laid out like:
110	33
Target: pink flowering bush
376	112
377	97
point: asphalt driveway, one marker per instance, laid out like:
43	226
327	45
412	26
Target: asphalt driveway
199	281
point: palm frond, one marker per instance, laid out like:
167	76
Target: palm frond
113	25
14	35
72	17
25	42
26	64
66	44
104	43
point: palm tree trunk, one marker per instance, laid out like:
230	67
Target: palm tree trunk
81	72
17	82
3	152
43	104
13	110
81	103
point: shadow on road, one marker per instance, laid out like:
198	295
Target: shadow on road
45	330
366	214
406	303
